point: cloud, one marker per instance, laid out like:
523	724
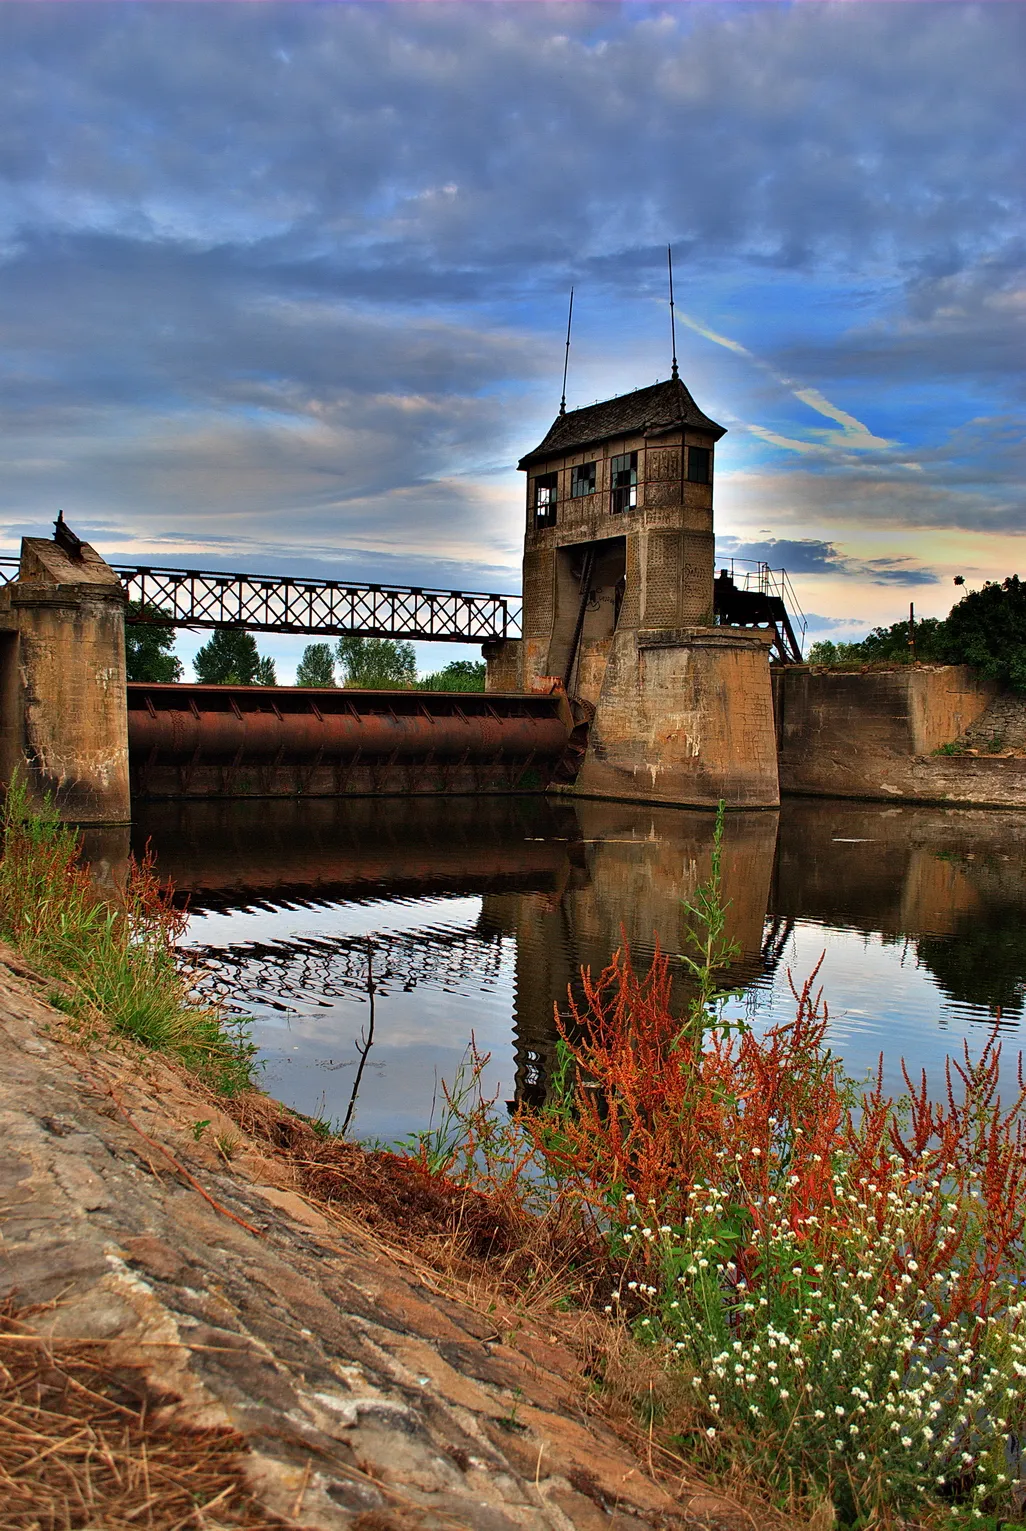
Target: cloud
846	627
292	277
854	435
807	556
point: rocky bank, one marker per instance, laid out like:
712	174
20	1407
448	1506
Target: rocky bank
368	1393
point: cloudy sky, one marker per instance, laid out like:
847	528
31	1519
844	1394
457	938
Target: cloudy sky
283	287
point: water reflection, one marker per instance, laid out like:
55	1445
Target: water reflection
476	915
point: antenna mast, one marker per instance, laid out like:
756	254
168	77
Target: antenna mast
566	357
673	328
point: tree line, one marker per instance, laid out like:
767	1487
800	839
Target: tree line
231	658
985	629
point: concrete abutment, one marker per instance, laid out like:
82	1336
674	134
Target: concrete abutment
63	710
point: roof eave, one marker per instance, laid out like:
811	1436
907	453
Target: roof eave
542	453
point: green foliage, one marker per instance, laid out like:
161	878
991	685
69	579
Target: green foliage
115	954
230	659
826	652
377	663
459	675
890	645
317	666
987	629
149	647
885	645
266	673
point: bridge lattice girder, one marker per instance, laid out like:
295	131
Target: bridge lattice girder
205	598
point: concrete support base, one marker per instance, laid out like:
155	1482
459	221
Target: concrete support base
63	710
685	715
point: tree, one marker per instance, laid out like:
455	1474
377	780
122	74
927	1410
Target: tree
987	629
377	663
885	645
458	675
229	659
149	645
316	668
266	674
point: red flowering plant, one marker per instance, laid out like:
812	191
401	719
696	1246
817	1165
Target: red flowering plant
831	1272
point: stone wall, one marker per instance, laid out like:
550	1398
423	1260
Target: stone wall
873	734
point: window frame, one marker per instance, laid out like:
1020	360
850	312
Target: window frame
544	511
577	472
623	498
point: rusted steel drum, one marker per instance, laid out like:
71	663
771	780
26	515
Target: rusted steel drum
178	725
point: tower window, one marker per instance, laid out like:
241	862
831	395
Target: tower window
582	480
545	488
699	465
625	482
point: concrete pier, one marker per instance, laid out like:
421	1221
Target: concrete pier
63	713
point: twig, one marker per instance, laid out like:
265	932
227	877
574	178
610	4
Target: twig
298	1502
176	1164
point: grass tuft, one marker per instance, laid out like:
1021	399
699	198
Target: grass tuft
113	952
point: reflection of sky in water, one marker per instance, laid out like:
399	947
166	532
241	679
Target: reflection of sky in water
437	982
880	999
442	974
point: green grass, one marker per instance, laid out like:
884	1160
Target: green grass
113	952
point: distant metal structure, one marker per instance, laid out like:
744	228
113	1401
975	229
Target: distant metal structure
208	598
747	594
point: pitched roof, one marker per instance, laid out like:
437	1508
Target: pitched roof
659	407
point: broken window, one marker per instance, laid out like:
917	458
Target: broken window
582	479
625	482
545	487
699	465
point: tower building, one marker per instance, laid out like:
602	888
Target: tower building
619	531
618	607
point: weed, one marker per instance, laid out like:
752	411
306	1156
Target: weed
113	952
826	1280
199	1128
227	1145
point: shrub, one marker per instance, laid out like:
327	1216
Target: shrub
459	675
830	1279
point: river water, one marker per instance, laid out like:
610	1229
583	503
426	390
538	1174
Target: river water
470	917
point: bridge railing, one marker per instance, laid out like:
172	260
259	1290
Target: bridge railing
207	598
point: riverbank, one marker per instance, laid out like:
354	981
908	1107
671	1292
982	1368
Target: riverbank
364	1386
705	1253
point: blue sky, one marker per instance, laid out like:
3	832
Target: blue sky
284	286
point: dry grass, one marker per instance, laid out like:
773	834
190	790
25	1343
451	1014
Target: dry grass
455	1229
78	1448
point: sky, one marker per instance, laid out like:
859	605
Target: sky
283	287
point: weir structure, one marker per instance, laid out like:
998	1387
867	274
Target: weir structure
621	676
619	604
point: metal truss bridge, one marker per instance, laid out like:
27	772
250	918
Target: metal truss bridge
207	598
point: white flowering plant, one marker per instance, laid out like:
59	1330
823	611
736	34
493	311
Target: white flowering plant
841	1380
